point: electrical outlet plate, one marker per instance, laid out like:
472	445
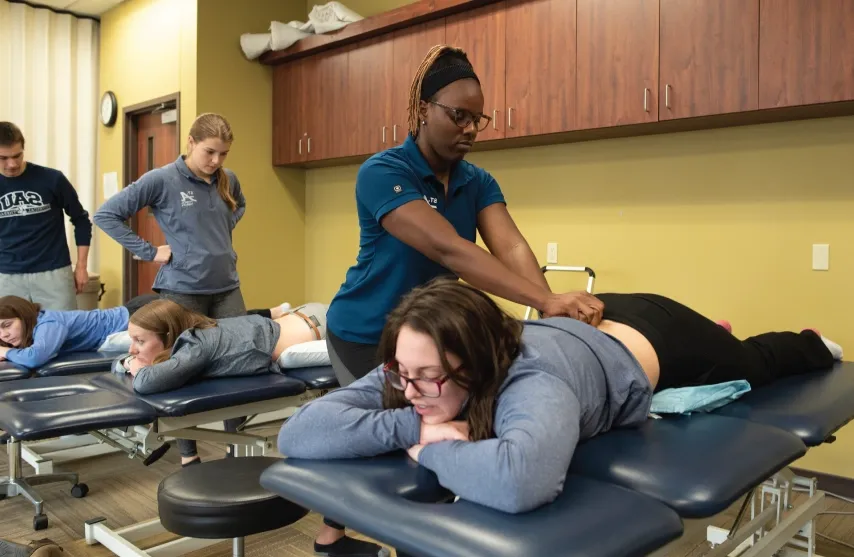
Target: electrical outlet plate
551	252
820	257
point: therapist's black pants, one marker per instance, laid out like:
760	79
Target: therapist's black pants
350	360
694	350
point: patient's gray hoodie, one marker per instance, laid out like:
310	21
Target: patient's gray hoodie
236	347
570	382
195	220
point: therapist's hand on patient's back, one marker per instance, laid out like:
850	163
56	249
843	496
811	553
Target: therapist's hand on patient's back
582	306
448	431
164	254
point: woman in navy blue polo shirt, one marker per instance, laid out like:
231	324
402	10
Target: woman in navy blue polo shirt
420	206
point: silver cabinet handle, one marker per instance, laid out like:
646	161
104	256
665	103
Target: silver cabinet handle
384	134
300	146
494	119
667	96
646	99
309	145
510	117
394	133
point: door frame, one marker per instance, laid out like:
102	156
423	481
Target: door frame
130	114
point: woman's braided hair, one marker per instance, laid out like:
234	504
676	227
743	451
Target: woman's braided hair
415	89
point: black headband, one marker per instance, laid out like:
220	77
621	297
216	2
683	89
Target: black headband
438	78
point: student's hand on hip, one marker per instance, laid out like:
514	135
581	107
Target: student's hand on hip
582	306
81	278
164	254
448	431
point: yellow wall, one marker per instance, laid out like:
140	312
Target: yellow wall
723	220
364	8
269	240
138	65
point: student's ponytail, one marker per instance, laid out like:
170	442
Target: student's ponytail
210	125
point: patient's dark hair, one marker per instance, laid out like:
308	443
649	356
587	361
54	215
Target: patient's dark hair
15	307
168	319
465	322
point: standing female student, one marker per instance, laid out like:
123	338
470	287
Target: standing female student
420	206
197	203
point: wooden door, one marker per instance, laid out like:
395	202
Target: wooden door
156	146
289	144
617	73
540	76
370	68
709	57
480	33
326	102
806	52
410	47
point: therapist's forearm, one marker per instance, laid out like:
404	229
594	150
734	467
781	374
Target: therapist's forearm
522	261
486	272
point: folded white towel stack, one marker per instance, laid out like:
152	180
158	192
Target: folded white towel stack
322	19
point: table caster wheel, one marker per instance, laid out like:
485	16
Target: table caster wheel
79	491
40	522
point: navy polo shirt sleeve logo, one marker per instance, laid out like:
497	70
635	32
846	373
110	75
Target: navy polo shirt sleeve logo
187	199
398	188
21	204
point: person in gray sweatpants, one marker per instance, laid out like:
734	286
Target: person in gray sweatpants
197	203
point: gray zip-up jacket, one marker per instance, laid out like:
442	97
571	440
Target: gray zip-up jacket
236	347
570	382
194	219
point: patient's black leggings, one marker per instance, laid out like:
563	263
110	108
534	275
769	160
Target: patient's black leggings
693	350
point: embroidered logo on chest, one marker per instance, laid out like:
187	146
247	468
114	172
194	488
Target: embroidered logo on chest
22	204
187	199
432	201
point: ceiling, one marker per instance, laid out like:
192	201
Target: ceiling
83	7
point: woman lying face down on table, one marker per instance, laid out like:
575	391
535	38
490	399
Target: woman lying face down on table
31	336
495	407
171	345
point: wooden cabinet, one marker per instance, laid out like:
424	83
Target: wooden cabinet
371	66
540	67
326	105
617	62
709	60
480	33
553	66
288	113
806	52
410	47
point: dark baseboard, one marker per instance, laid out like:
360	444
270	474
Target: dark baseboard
838	485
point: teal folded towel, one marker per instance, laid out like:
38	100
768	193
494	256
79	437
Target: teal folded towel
703	398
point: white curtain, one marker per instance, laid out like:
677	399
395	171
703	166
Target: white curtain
49	88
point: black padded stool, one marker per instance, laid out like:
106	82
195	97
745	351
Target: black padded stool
223	499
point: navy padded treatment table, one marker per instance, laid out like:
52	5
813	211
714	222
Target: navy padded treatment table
392	499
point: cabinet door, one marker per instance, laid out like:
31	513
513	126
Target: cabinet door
326	103
480	32
410	47
806	52
709	57
288	109
369	90
617	73
540	76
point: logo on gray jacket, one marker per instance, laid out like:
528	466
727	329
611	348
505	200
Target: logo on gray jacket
22	204
187	199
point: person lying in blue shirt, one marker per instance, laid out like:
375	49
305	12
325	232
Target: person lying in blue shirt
31	336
